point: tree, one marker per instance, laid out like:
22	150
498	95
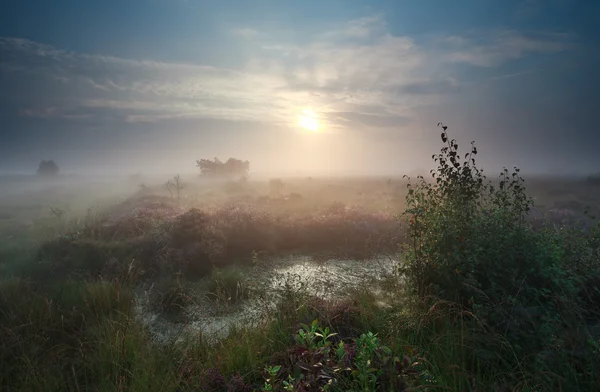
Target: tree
174	186
218	169
47	168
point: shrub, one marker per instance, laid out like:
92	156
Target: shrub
47	168
467	235
471	245
161	239
197	241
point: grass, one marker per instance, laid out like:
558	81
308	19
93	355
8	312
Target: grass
170	295
484	301
228	286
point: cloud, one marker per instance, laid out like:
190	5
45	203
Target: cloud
428	87
353	66
494	48
369	120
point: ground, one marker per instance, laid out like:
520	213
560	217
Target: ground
111	284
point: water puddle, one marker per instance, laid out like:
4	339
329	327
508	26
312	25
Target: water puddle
332	279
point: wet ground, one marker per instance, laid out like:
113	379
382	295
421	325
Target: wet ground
332	279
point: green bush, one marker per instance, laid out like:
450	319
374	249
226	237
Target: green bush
529	289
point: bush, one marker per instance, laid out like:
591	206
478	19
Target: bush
160	239
472	245
47	168
469	237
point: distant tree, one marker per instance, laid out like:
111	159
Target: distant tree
174	186
47	168
218	169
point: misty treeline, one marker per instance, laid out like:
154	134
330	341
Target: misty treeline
217	168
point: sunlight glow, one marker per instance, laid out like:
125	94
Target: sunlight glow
308	120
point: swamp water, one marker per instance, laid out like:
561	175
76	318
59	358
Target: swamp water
213	319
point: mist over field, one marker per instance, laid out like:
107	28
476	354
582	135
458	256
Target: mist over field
201	195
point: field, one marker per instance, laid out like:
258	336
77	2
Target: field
302	284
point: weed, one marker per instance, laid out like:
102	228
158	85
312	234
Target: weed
227	286
169	295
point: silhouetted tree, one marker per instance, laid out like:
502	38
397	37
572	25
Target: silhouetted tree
47	168
216	168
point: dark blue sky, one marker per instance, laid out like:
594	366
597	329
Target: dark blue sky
131	85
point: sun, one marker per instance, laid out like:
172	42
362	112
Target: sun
308	120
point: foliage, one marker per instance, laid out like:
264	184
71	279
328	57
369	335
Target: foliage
47	168
472	245
365	364
457	221
218	169
196	241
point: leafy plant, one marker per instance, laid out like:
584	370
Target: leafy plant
459	222
365	374
271	379
313	336
365	364
509	284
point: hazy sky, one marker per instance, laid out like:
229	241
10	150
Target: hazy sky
153	85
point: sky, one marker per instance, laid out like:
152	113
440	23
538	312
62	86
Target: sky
127	86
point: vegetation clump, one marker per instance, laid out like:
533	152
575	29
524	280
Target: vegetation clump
169	295
47	168
472	246
219	169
